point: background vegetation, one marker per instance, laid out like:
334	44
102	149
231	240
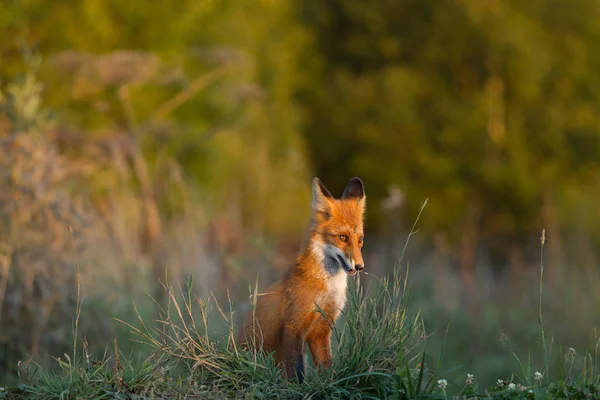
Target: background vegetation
140	143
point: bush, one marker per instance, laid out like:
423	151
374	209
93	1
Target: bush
42	231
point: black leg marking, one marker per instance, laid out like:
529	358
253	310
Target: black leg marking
300	368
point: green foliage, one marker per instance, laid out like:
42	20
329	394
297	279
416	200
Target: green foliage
217	111
21	102
488	109
485	107
211	90
162	131
97	379
34	205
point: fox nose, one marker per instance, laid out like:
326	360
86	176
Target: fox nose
360	267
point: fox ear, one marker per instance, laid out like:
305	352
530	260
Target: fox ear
320	197
354	190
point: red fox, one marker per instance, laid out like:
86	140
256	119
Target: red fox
286	315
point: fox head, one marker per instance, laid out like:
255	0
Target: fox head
337	234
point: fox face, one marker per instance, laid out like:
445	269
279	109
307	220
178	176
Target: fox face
337	235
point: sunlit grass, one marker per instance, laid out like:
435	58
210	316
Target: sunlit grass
380	351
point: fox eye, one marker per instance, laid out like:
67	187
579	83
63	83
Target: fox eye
361	239
343	238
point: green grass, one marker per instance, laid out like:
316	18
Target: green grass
378	348
381	350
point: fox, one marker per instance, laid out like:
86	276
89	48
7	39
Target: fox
302	307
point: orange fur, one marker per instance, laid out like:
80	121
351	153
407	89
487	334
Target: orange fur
286	316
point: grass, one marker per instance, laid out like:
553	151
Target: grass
380	351
378	355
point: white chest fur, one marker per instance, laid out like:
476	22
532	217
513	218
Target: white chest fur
337	285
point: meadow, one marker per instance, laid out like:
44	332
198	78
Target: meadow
383	348
155	169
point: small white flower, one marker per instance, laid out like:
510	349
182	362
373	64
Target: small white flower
443	384
500	383
1	389
537	376
530	391
571	352
511	386
470	380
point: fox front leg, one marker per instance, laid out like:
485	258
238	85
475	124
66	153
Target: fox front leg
319	343
293	355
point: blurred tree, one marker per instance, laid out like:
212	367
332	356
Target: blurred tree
487	108
209	85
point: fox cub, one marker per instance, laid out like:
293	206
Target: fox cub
286	315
